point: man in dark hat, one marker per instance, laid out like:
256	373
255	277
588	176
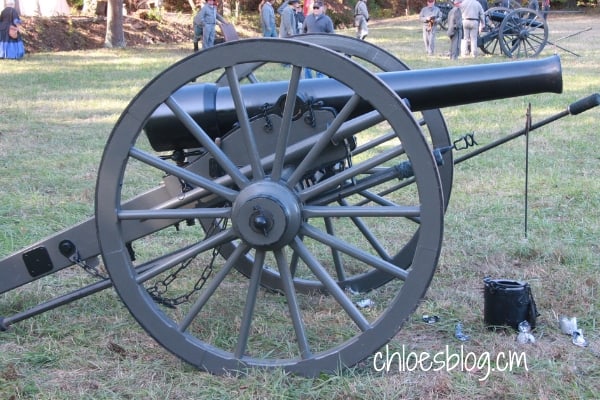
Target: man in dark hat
317	22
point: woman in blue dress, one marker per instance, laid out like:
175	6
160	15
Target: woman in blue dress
9	47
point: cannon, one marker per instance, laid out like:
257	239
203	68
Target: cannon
445	8
514	32
241	211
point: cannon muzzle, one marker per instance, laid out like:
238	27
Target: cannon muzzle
213	109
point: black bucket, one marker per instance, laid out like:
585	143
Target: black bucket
508	303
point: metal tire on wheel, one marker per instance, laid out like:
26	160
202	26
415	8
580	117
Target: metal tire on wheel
229	323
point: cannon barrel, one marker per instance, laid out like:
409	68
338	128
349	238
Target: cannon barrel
212	106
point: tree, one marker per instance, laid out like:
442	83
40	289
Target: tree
115	36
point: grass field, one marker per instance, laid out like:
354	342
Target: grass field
58	111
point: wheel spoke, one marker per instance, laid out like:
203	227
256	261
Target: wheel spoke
167	263
369	236
212	287
337	259
184	213
294	308
360	211
331	285
185	175
205	140
284	131
244	123
253	288
323	141
340	178
361	255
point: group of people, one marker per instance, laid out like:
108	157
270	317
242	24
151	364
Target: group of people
293	21
466	20
11	42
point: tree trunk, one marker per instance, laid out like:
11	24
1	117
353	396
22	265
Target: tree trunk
115	37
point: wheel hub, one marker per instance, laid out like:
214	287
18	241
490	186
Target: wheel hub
266	215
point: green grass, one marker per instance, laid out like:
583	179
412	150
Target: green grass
58	110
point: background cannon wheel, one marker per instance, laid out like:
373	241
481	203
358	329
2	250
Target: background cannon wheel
433	125
229	323
488	40
445	7
523	33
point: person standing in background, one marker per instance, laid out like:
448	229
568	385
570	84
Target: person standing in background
361	19
455	29
287	26
545	8
317	22
534	5
299	17
473	19
11	47
430	16
197	30
267	17
209	18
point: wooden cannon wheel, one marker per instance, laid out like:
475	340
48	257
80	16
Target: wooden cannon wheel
434	127
488	39
523	33
229	322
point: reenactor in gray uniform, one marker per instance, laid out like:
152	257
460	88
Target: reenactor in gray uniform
455	29
430	16
473	22
361	17
288	26
208	17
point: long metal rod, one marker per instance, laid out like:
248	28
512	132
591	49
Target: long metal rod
510	137
527	129
573	109
85	291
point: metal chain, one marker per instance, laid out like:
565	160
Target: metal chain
94	271
464	142
159	290
268	127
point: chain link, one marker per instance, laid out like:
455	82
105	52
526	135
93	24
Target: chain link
90	269
159	290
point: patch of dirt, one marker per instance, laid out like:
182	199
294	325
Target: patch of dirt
84	33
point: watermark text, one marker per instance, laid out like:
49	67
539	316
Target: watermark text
405	360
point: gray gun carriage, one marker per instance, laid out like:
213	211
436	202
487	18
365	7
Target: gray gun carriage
241	212
514	32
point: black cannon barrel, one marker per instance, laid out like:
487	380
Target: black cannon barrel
212	106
